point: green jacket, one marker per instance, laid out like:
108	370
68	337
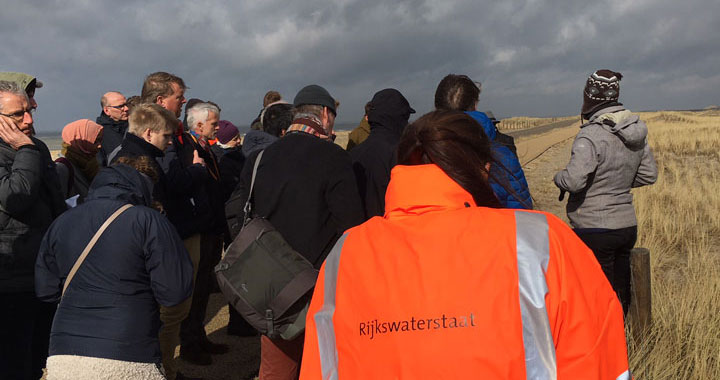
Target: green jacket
359	134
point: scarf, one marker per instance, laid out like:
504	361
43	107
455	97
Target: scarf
309	124
87	163
202	141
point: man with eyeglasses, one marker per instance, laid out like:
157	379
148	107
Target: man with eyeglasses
114	120
29	201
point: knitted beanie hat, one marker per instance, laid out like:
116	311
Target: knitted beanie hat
226	132
602	87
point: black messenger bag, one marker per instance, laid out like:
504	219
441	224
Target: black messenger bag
264	279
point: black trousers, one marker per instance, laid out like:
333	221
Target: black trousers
25	324
612	250
192	330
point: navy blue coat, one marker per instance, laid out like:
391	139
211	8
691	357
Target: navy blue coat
110	309
506	170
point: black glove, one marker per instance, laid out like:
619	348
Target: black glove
562	195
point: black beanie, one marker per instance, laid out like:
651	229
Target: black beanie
602	88
314	94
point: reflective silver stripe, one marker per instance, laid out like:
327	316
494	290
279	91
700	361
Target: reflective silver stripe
624	376
533	255
324	317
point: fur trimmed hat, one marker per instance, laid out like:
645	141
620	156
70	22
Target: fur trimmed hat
601	88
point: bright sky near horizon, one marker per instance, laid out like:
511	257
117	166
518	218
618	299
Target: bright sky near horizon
532	56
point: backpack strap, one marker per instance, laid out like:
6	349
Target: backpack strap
248	204
71	174
91	244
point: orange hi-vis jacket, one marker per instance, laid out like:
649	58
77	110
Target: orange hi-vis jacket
437	289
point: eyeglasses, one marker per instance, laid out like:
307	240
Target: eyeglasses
19	114
121	106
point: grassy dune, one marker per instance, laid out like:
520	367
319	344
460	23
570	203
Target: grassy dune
679	221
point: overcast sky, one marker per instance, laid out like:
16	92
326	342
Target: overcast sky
532	57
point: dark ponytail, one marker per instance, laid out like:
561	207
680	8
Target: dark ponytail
453	141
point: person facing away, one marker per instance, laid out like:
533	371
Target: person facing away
274	120
448	284
114	121
507	178
305	187
388	115
107	322
30	200
610	155
78	165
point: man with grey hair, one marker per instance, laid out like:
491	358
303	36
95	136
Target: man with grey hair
203	119
304	165
114	120
30	200
26	82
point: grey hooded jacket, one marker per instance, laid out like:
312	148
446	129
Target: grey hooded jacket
610	155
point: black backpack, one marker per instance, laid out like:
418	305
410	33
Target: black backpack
264	278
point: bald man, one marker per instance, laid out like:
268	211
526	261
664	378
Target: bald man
114	119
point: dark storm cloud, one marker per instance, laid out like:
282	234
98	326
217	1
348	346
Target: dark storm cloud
532	56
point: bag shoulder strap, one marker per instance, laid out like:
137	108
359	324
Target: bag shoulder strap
248	204
91	244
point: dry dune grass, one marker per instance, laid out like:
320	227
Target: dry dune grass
522	122
679	221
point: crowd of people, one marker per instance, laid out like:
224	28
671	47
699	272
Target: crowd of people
432	262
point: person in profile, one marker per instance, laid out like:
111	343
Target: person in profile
610	156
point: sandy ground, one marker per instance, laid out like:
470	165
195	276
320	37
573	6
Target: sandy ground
541	155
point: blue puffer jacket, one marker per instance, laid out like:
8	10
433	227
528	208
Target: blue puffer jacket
110	309
506	169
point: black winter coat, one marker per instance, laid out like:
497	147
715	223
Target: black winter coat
113	134
305	187
189	208
231	163
30	199
110	309
375	157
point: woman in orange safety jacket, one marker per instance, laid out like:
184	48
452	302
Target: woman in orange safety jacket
440	288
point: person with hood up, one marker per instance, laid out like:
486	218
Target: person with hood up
610	155
78	165
107	321
388	114
114	120
507	178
